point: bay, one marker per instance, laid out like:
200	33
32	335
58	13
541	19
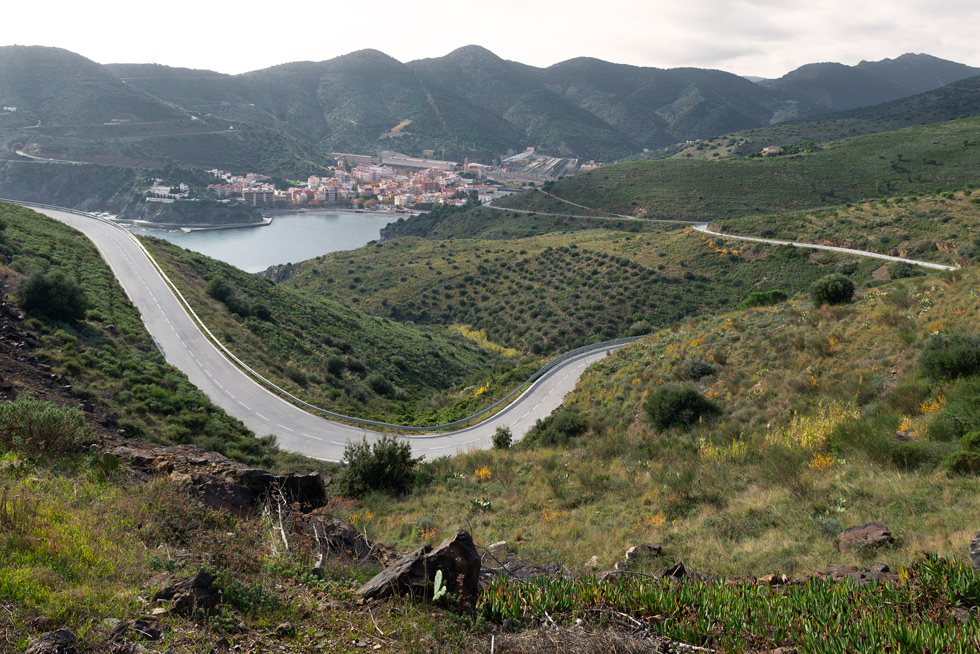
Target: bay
291	238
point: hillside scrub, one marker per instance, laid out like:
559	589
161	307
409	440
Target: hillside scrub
827	425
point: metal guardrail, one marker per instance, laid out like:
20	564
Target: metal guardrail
523	387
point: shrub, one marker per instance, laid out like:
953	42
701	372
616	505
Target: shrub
558	428
387	466
832	289
763	298
950	357
910	456
696	369
963	462
336	365
678	406
55	296
502	438
380	384
34	427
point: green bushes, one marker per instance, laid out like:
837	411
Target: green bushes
764	298
950	357
502	438
557	429
55	296
678	406
387	466
832	289
35	427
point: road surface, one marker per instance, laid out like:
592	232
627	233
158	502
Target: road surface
187	348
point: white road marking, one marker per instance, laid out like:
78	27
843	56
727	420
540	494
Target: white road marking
285	427
260	415
313	437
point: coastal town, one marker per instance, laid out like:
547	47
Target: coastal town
396	182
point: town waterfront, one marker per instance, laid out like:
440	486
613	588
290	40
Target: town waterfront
292	237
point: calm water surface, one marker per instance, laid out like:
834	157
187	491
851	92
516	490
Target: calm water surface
289	239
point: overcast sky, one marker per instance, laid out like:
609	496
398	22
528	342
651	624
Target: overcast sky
749	37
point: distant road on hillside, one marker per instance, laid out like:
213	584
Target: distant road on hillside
705	228
184	345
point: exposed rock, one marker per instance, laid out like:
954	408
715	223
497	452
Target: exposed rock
222	495
645	549
774	579
524	571
191	594
840	572
308	489
872	534
337	537
499	548
677	572
285	630
61	641
593	563
413	574
975	551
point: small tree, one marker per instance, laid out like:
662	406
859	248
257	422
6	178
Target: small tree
387	466
54	296
502	438
832	289
678	406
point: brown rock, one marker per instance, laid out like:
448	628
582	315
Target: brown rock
872	534
975	551
414	573
219	494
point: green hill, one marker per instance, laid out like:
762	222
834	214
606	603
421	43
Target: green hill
920	159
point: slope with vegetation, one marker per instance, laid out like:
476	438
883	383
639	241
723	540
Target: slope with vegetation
550	293
916	160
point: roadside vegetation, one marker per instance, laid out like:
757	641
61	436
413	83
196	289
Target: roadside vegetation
92	334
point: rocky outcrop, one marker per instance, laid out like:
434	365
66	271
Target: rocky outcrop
337	537
61	641
222	483
870	535
191	595
975	551
413	574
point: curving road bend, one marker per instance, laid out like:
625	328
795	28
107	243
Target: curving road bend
186	347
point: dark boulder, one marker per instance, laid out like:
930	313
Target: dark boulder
975	551
192	594
53	642
414	573
338	537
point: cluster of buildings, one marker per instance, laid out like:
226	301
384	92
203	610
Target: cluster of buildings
368	185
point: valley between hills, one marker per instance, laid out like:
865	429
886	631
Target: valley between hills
785	459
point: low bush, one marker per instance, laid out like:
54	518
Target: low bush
35	427
387	466
502	438
55	296
832	289
910	456
950	357
678	406
695	369
557	429
763	298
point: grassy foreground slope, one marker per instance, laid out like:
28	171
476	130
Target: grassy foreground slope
913	160
826	422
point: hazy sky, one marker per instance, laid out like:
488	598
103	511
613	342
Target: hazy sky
749	37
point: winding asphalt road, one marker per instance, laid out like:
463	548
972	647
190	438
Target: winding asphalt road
184	345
